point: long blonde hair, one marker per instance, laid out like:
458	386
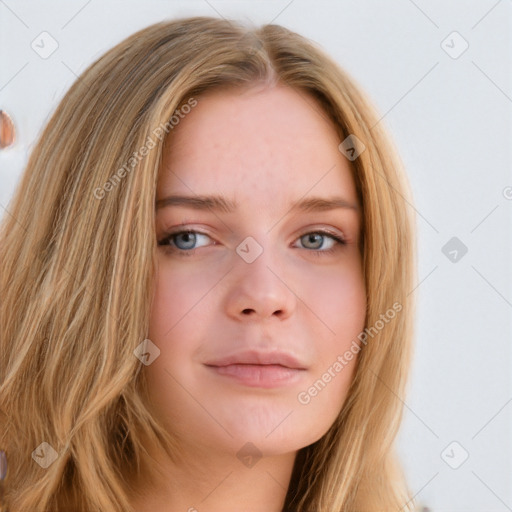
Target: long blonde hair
77	260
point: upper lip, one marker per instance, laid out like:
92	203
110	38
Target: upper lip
259	358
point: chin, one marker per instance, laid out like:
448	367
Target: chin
273	429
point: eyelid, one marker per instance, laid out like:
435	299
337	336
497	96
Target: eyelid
183	228
326	230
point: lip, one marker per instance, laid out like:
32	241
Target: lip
259	369
254	357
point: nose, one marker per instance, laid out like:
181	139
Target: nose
260	289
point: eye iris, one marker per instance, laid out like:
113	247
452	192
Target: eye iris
186	235
310	237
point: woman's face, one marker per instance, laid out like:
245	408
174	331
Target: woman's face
254	311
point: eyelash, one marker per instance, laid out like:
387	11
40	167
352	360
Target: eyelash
190	252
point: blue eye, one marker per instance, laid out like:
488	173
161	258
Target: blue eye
172	244
189	238
321	236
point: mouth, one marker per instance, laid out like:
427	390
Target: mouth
256	369
253	357
259	375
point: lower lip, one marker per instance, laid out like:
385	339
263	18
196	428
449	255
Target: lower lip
258	375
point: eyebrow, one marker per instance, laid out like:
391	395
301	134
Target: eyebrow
225	205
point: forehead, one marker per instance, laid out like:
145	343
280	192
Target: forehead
264	145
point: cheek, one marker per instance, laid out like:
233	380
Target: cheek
338	297
339	301
176	323
178	320
176	295
342	303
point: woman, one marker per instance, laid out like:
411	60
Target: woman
170	338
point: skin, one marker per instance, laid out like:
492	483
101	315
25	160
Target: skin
265	148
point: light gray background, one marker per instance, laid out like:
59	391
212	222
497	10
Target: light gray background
451	121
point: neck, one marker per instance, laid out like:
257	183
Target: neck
215	482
